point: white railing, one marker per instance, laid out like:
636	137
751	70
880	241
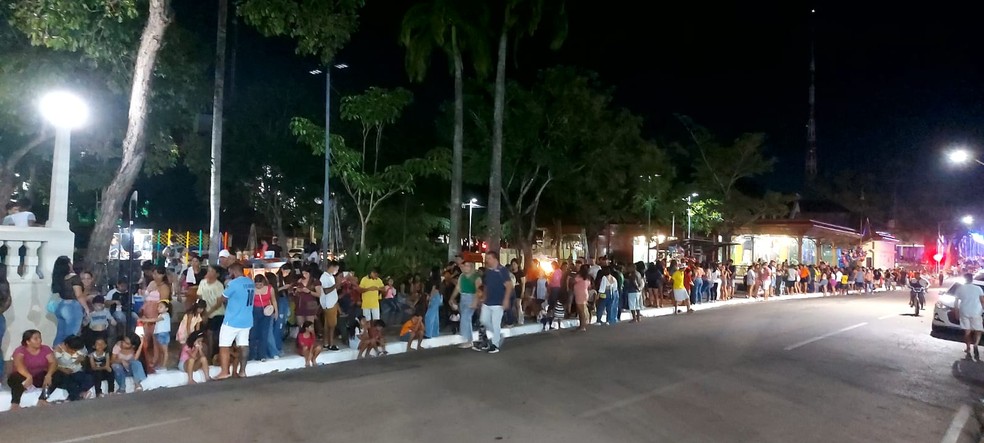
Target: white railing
30	255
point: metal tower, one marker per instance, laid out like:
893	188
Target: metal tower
811	125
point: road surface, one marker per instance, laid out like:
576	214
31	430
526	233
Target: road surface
845	369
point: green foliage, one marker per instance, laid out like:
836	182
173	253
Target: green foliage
320	27
396	262
448	26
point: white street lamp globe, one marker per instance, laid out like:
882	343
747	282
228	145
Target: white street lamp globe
474	200
64	110
958	156
967	220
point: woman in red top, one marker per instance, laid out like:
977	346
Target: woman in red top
264	311
307	344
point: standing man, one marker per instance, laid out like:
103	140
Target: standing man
329	304
371	285
238	320
278	251
465	290
498	293
970	306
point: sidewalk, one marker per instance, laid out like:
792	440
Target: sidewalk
173	378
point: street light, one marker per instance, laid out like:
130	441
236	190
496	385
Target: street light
65	111
471	205
961	156
690	212
967	220
326	198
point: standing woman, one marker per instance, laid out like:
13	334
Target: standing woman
264	310
158	290
73	306
432	318
582	282
306	293
192	277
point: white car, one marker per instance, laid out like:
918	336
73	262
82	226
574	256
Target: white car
944	317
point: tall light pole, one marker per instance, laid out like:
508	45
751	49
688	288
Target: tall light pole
690	213
65	111
326	198
471	205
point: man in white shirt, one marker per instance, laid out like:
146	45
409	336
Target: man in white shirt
970	307
329	304
19	214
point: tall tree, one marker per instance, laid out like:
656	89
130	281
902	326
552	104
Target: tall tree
456	28
102	30
218	106
520	18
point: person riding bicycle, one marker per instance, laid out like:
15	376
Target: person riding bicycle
917	288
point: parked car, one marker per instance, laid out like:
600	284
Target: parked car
944	315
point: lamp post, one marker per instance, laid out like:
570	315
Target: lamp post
690	213
326	198
471	205
65	111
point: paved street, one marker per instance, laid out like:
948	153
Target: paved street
846	369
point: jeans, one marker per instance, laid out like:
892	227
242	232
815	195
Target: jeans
276	338
465	308
75	383
258	340
136	370
601	307
695	294
492	319
614	307
69	314
3	329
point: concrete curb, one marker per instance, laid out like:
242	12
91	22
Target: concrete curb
174	378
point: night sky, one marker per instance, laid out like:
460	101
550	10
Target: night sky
892	82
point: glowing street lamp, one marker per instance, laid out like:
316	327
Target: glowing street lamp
967	220
471	205
961	156
65	111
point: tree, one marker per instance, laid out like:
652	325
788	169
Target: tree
721	168
102	31
368	189
454	27
218	105
520	18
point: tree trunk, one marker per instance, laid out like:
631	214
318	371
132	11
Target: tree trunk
558	226
362	235
134	143
495	177
454	233
215	179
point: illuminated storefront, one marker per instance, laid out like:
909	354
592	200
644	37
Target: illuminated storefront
796	241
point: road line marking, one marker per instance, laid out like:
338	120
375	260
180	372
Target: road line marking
885	317
957	425
123	431
818	338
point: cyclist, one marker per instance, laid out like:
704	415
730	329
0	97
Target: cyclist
917	288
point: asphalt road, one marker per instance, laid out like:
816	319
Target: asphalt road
846	369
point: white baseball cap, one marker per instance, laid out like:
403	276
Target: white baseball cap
224	253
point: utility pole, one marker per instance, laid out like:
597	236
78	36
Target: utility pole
811	125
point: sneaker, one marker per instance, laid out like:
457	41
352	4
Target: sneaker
333	348
493	350
478	348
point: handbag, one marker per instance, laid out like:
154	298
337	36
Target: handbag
268	310
53	302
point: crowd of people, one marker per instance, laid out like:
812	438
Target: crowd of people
230	319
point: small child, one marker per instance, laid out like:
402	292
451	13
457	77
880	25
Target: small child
191	322
307	344
376	336
162	332
194	356
544	317
100	369
454	320
412	330
99	321
559	311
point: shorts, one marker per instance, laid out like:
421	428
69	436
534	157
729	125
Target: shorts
972	323
803	280
680	294
371	314
215	323
635	301
406	337
164	338
229	334
331	317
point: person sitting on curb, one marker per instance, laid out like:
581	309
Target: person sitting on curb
307	345
412	330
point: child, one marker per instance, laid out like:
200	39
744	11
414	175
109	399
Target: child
162	331
99	368
191	322
194	355
366	342
307	344
376	336
544	316
454	320
412	330
559	310
99	321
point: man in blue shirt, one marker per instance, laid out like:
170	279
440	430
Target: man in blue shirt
238	297
498	292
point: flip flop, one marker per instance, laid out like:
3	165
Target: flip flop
222	378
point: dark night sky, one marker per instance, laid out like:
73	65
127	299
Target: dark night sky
892	81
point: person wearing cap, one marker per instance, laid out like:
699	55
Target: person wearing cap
225	260
98	321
